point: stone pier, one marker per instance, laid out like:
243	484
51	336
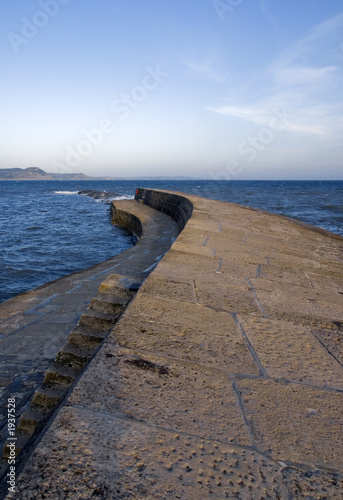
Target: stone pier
221	379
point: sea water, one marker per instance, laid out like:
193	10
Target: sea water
48	230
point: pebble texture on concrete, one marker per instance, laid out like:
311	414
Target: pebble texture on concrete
222	379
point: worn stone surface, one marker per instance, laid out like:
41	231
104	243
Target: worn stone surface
223	378
218	345
224	297
163	286
145	462
303	305
207	405
295	423
291	352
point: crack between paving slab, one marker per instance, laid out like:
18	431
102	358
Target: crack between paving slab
263	373
242	409
193	292
321	468
267	259
253	291
206	240
306	384
258	272
325	347
220	265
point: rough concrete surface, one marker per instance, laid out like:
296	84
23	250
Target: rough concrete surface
222	379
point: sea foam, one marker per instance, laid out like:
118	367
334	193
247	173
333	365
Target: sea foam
66	192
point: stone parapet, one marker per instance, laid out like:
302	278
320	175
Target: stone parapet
124	218
178	207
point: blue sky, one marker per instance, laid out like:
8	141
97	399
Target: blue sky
221	89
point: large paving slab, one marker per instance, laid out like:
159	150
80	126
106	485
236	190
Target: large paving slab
292	352
155	383
217	344
295	423
222	379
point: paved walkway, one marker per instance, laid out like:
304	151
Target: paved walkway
223	378
35	325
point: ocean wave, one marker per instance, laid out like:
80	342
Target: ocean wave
125	197
110	198
66	192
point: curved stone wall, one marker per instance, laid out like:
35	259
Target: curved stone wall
178	207
126	219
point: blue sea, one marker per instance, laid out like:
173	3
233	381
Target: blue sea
48	230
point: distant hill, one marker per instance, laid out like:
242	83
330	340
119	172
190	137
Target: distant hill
159	178
37	174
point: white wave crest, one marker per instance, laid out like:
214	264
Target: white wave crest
66	192
124	197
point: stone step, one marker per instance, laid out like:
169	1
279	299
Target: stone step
86	337
61	375
97	320
74	356
30	419
112	305
119	286
48	397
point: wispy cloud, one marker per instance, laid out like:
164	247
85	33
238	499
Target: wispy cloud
250	113
204	70
312	43
264	8
207	69
307	79
297	75
310	121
